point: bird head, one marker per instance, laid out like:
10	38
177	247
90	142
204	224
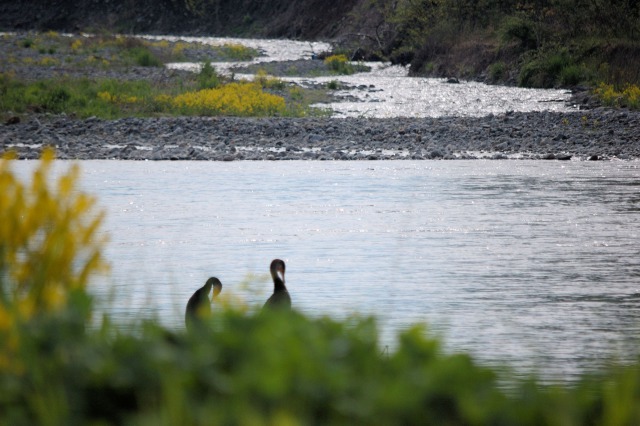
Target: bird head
216	284
277	268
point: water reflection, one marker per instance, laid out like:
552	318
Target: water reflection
387	91
532	263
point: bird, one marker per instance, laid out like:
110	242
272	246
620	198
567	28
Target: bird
199	304
280	297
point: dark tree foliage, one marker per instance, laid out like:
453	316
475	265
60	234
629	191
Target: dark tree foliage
555	42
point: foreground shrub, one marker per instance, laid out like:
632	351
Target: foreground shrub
48	240
279	368
49	248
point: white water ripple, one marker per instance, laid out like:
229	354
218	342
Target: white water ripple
387	91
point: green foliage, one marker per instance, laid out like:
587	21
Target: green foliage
521	33
280	368
548	69
414	20
339	64
27	43
208	77
267	82
48	240
520	29
333	85
296	93
80	97
628	97
114	52
55	100
572	75
240	367
497	71
114	98
143	57
237	52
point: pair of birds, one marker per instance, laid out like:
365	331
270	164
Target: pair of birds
199	302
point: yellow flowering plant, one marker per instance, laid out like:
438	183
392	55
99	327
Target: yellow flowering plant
627	97
50	242
245	99
339	64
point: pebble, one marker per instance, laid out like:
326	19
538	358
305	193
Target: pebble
597	134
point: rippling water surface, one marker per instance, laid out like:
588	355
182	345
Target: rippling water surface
530	263
386	91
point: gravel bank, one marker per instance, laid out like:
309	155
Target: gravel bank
596	133
592	134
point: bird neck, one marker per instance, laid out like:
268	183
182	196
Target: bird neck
278	283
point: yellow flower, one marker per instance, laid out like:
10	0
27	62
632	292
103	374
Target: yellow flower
106	96
232	99
48	240
77	44
6	319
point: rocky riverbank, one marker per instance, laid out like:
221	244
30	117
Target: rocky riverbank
593	133
583	135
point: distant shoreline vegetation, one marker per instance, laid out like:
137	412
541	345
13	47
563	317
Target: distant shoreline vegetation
53	73
532	43
83	76
541	44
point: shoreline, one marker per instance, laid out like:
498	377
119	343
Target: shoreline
592	133
596	134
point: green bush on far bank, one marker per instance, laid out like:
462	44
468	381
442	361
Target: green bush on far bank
60	365
547	44
339	64
546	69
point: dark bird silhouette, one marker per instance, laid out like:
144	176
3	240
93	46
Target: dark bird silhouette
280	297
199	304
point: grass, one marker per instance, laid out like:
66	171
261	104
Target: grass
237	52
111	98
240	366
117	51
205	94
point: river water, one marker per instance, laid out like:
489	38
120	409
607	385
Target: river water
387	91
532	264
524	263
